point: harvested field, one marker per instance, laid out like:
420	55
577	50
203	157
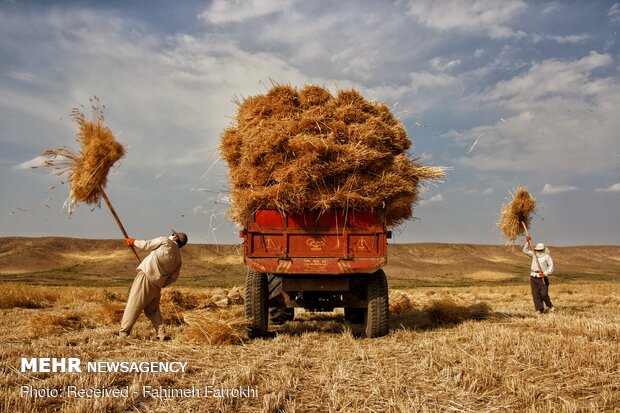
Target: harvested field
464	339
476	348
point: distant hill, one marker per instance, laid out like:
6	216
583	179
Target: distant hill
72	261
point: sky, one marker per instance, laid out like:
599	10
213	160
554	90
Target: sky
504	93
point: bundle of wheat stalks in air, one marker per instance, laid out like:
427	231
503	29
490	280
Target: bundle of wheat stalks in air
87	169
516	213
306	149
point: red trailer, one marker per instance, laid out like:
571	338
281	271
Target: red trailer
318	261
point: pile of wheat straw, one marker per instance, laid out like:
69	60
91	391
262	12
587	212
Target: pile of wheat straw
99	151
519	210
215	327
306	149
400	302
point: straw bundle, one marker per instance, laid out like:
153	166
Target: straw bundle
87	169
178	299
400	302
516	212
308	150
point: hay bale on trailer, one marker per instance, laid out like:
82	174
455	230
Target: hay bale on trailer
307	150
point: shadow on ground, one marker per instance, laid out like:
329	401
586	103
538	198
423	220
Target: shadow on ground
439	313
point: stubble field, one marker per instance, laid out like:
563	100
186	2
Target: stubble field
465	342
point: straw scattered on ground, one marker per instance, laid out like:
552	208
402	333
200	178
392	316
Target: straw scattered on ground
432	361
307	149
216	327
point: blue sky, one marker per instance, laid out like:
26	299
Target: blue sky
505	93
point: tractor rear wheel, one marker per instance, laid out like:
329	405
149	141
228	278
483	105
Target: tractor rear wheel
280	314
256	297
378	313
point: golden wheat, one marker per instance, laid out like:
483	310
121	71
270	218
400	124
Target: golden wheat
475	348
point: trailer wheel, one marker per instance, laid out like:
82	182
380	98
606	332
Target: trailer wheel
256	296
281	314
378	307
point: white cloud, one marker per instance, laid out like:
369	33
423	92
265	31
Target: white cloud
613	188
435	199
429	81
490	17
426	88
169	97
562	120
25	77
569	39
477	191
551	8
554	77
226	11
549	189
444	65
614	13
37	162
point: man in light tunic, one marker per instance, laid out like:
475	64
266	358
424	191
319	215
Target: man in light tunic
158	270
539	281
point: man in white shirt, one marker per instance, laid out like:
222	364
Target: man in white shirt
159	269
538	276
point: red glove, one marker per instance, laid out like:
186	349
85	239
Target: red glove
527	237
542	274
129	241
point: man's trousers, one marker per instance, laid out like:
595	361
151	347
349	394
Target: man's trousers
540	294
143	296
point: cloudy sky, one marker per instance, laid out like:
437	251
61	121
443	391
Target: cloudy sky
505	93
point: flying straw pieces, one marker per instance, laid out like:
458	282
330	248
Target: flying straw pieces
306	149
88	169
516	214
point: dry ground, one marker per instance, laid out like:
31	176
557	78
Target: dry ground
70	261
470	345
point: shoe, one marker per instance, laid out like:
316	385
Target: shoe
552	310
164	338
121	334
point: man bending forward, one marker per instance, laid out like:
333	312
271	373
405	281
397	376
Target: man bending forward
159	269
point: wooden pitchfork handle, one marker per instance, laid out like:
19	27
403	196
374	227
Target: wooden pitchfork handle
118	221
533	251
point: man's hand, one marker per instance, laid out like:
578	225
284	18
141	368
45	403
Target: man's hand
129	241
541	274
528	238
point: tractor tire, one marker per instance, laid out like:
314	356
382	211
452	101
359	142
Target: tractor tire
278	315
256	297
378	312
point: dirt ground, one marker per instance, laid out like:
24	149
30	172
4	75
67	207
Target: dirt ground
463	335
70	261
